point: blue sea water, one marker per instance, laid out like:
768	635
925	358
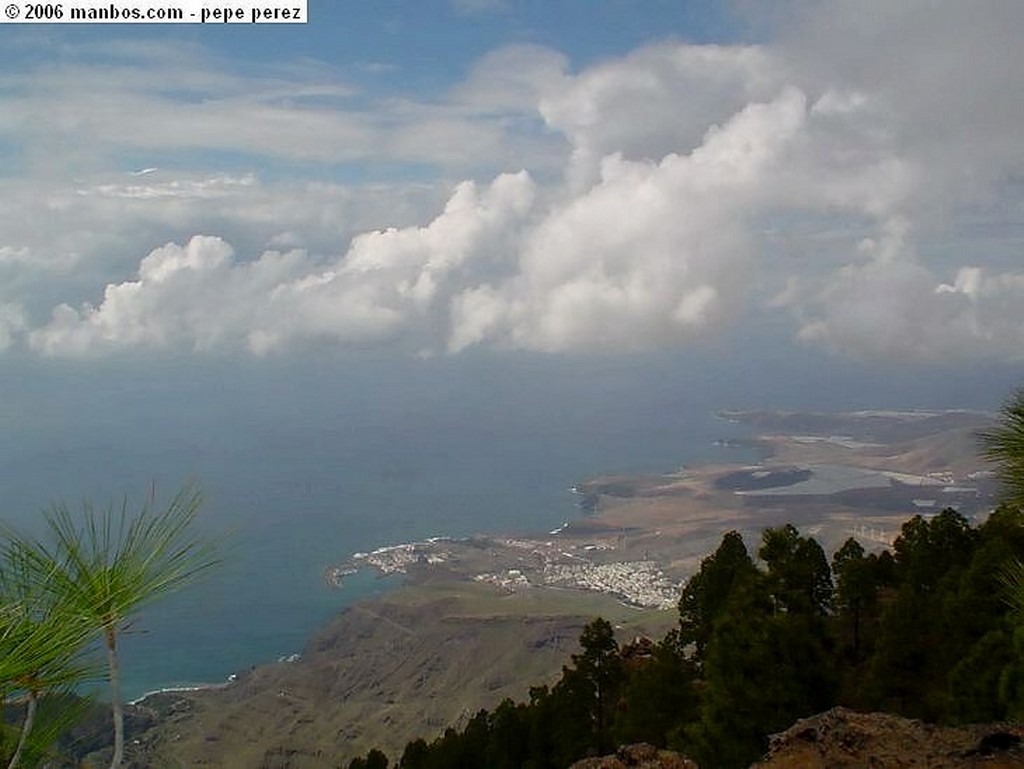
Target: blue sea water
301	465
306	496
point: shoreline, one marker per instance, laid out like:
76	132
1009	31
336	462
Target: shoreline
181	689
641	536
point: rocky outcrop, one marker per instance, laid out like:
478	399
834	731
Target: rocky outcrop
844	739
640	756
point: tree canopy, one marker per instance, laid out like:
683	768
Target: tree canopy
923	630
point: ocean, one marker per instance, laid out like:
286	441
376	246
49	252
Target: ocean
303	465
306	499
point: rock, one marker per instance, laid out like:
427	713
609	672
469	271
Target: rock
640	756
844	739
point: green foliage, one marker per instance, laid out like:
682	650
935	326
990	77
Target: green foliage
658	696
595	679
416	755
979	675
934	629
58	712
801	580
42	639
578	710
1004	446
944	602
375	759
863	584
707	592
928	552
109	564
93	573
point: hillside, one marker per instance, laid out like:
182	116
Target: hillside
485	618
381	674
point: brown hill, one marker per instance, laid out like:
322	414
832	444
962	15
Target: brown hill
381	674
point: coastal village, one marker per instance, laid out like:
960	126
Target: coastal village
518	564
639	538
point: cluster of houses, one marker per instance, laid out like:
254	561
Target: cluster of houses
520	563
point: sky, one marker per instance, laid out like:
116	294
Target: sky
560	178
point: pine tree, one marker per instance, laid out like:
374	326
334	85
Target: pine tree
108	565
707	592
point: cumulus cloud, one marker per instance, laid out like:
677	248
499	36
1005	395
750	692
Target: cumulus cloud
652	254
514	78
398	282
658	100
943	74
663	191
67	239
201	297
892	306
920	97
184	295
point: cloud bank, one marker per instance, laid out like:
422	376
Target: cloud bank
647	201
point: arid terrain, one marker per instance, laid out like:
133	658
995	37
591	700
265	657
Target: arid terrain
483	618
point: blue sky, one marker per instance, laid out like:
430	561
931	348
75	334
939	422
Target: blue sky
436	42
556	178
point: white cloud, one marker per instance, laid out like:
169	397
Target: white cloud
68	238
893	307
195	296
944	75
514	78
12	323
663	189
921	97
13	255
90	107
658	100
653	254
216	186
394	282
200	297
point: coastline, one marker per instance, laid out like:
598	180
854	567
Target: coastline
180	689
639	537
487	616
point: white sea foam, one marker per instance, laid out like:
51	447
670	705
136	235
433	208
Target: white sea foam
180	689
